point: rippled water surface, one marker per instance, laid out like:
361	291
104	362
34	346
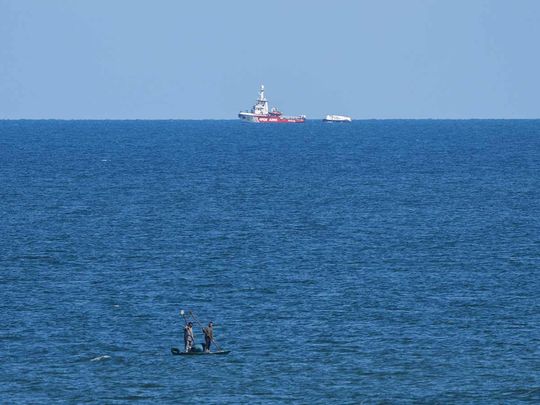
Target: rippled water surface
379	261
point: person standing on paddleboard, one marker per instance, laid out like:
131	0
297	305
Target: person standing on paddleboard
189	338
208	336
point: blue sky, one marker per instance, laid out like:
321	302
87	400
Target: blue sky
205	59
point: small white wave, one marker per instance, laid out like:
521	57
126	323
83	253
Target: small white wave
99	358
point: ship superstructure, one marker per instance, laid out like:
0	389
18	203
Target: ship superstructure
260	113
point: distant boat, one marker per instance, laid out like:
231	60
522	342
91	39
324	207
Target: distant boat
260	113
337	118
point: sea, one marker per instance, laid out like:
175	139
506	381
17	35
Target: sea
383	261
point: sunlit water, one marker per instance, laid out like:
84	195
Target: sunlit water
377	261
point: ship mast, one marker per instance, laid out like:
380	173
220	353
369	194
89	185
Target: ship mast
261	94
261	107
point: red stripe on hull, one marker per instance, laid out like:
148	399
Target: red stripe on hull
281	120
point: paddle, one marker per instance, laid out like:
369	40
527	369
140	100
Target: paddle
201	325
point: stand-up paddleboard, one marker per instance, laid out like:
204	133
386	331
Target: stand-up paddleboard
178	352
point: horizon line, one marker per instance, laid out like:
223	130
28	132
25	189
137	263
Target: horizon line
237	120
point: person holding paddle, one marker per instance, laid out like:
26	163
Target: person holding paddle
208	336
189	338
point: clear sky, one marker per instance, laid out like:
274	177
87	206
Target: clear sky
205	59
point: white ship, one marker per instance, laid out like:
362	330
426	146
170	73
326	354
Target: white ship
260	113
337	118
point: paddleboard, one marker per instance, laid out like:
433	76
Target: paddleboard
178	352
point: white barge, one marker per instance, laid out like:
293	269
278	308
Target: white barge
337	118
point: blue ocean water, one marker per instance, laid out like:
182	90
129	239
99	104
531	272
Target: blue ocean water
379	261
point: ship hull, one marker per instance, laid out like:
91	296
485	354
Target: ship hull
270	119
